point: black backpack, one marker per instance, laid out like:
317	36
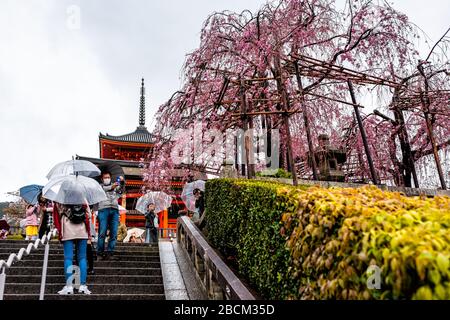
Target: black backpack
76	214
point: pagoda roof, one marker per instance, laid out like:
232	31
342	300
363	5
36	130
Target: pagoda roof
122	163
140	135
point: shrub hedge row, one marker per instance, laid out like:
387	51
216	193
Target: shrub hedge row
317	243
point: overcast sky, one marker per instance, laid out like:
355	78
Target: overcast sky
61	83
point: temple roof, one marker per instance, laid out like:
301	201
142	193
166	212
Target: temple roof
140	135
122	163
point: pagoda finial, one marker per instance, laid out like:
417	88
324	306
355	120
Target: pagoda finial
142	106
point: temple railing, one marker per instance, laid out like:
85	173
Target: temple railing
218	280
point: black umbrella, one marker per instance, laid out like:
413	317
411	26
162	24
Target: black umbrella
115	170
4	225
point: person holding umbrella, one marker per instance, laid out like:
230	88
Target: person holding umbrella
108	215
31	224
199	202
32	194
73	227
45	208
150	204
151	224
193	197
72	194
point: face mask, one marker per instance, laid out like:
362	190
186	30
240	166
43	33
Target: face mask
107	181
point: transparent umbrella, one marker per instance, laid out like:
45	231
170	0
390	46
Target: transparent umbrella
187	195
73	189
134	232
72	167
161	200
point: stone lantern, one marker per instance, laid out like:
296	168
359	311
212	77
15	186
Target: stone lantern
228	170
329	160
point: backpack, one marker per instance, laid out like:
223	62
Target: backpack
76	214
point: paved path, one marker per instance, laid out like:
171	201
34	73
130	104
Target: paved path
179	278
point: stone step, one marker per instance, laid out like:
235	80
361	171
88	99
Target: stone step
108	288
60	257
151	263
100	270
121	251
135	275
58	244
22	243
132	297
92	279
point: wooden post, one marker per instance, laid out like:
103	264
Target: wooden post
285	102
363	135
425	100
425	104
266	122
306	122
249	163
406	145
165	221
236	153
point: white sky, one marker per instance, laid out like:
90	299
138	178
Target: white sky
60	86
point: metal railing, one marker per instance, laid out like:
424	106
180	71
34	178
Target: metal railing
217	278
13	257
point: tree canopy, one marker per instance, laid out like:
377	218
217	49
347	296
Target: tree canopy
289	65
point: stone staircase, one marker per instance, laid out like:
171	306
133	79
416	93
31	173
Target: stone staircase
136	275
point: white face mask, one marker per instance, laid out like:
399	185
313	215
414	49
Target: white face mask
107	181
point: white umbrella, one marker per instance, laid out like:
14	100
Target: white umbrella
134	232
74	190
71	167
187	195
161	200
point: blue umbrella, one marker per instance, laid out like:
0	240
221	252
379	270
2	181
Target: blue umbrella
31	193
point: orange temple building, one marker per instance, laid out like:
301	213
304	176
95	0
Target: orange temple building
128	150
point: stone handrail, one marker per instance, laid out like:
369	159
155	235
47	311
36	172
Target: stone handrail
167	233
218	279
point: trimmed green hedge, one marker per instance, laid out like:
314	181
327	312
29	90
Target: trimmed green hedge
317	243
244	220
279	173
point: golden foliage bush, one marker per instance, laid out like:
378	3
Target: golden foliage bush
337	233
318	243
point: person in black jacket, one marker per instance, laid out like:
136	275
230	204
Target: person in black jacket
45	209
151	224
199	201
